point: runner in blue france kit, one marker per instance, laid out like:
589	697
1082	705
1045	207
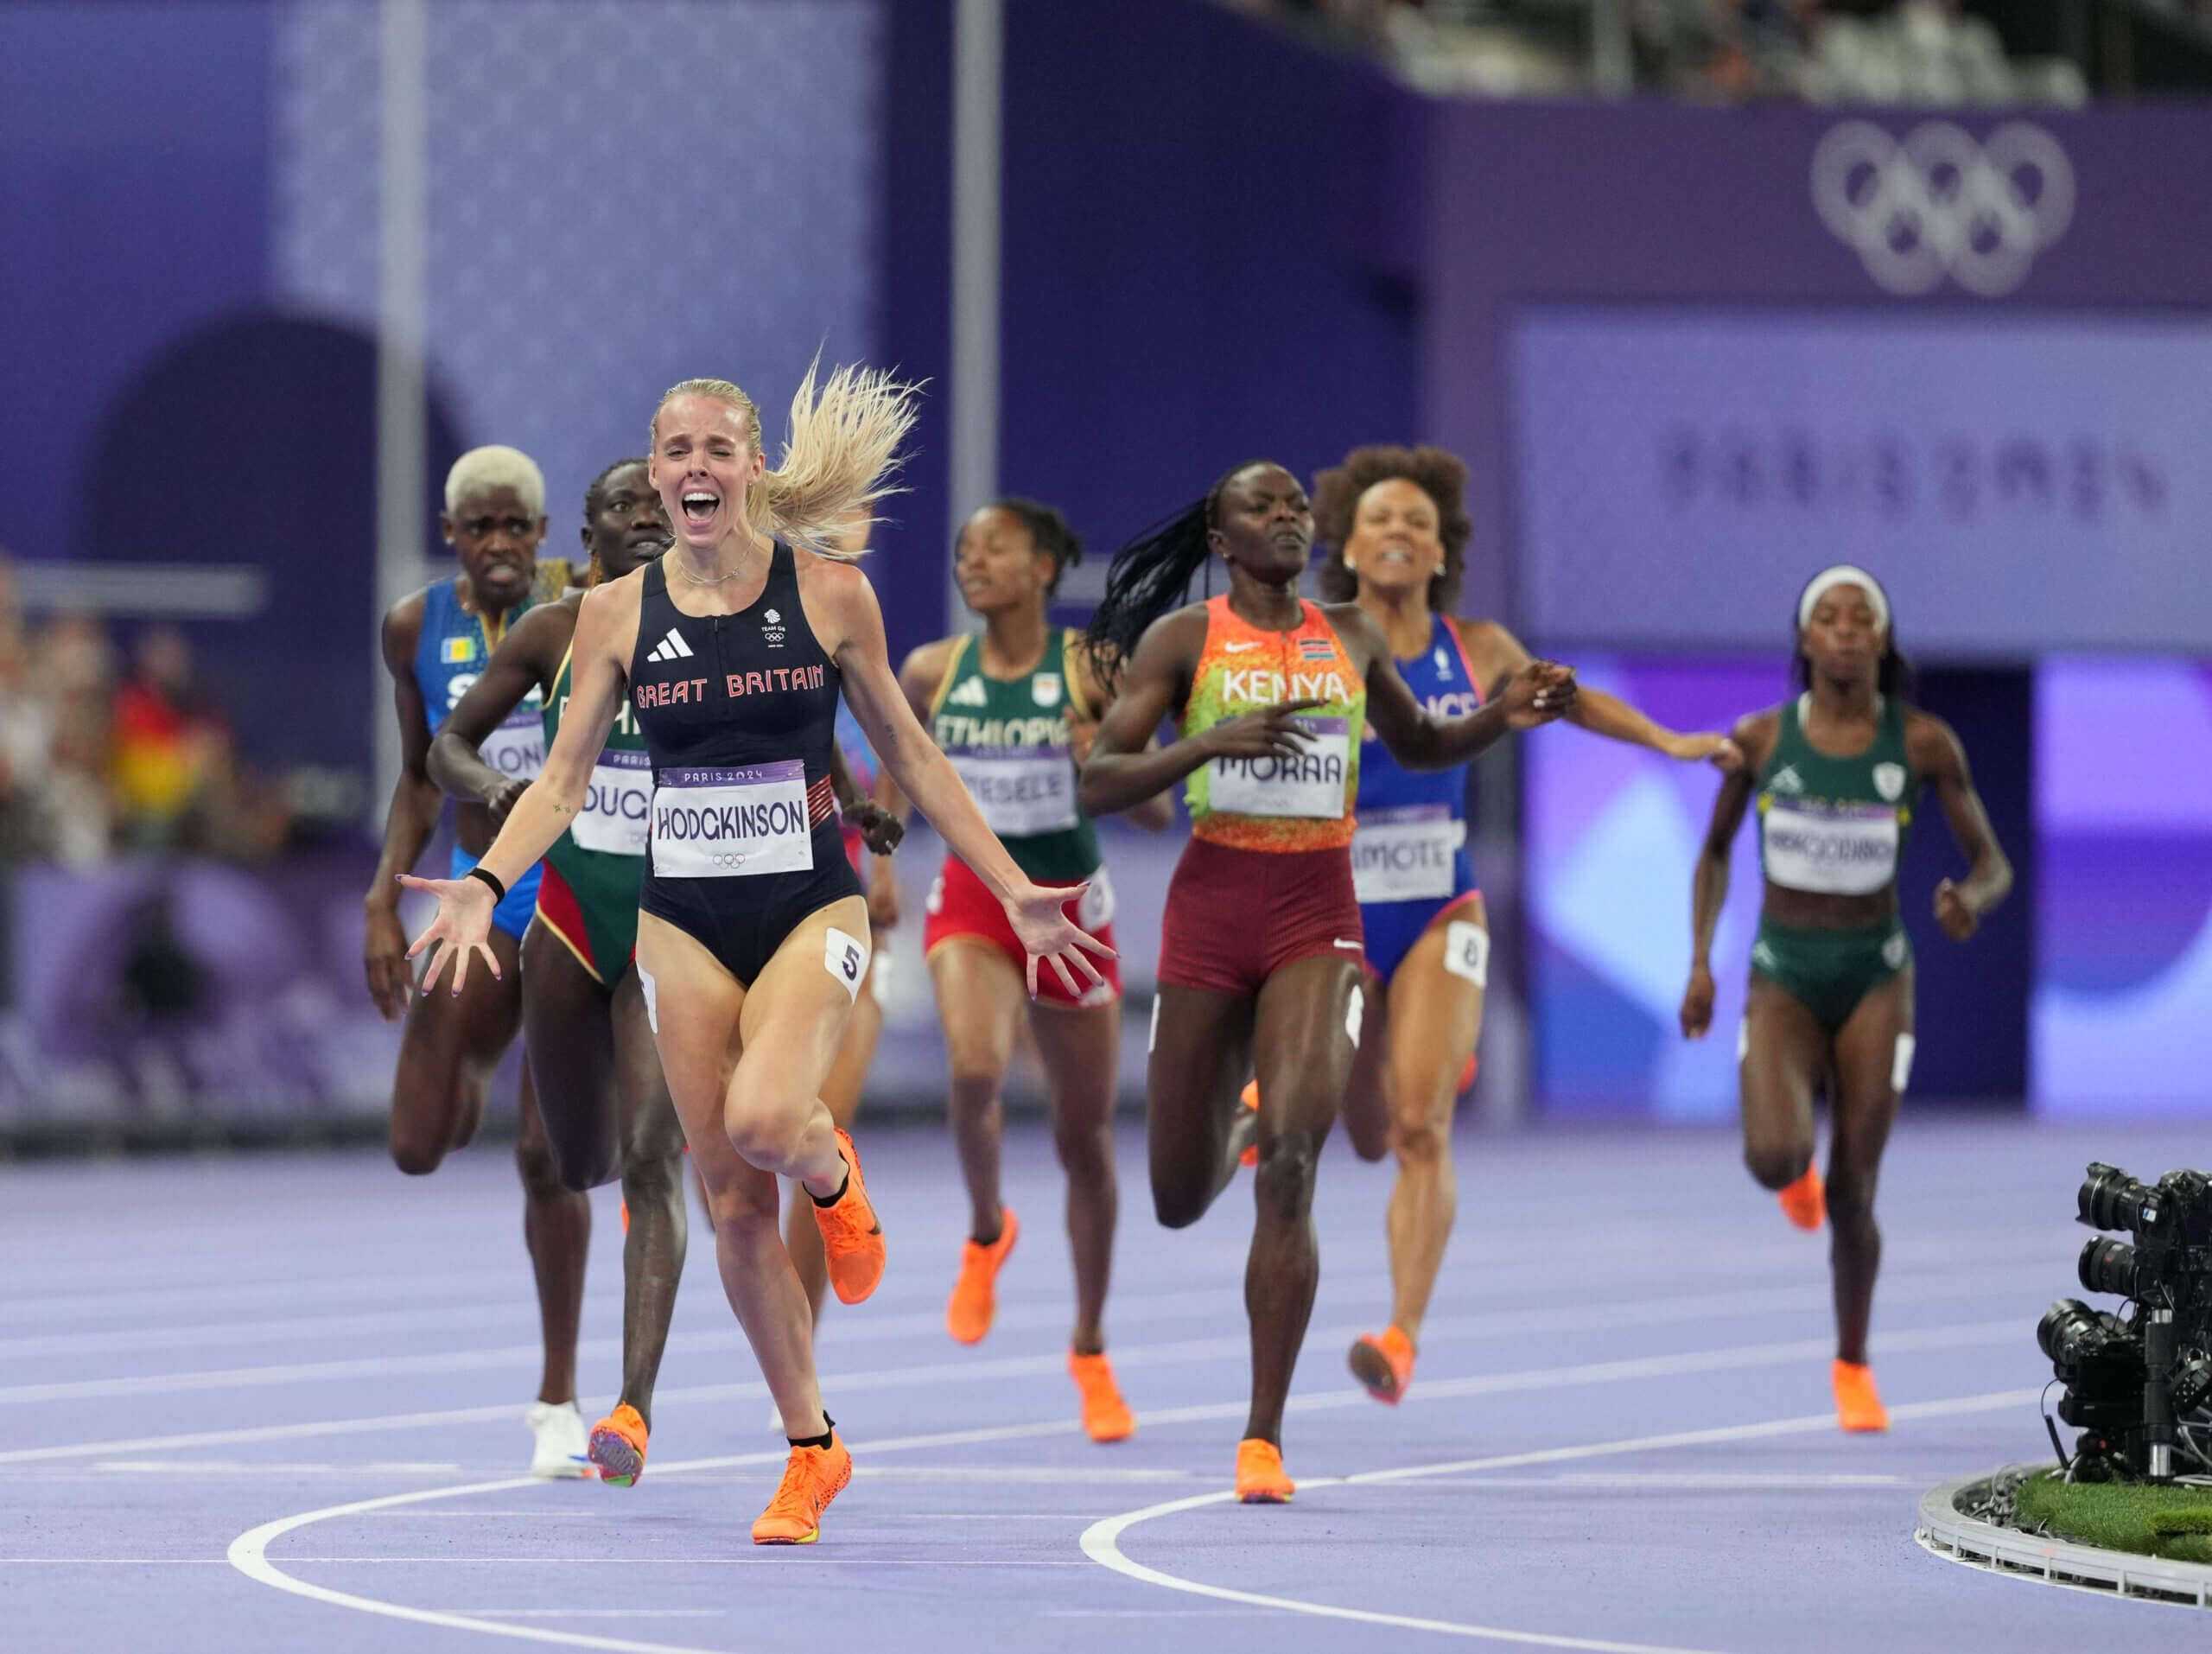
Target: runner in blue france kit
1397	529
753	941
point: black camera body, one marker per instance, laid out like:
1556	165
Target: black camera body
2132	1381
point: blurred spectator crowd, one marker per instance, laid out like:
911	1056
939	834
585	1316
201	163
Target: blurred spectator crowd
1916	51
96	761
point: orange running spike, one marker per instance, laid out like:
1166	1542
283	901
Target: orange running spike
974	1303
1249	1096
1260	1477
1106	1416
618	1447
852	1239
1384	1363
813	1477
1857	1405
1805	1202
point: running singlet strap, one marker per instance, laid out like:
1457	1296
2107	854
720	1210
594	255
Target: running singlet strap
1413	823
1276	804
738	713
1009	738
1835	826
450	655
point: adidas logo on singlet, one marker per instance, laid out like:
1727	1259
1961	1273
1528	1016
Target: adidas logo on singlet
971	693
671	647
1785	780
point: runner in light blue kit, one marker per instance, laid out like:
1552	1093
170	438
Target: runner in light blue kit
436	642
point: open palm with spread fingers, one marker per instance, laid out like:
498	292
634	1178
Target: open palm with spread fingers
1040	923
462	927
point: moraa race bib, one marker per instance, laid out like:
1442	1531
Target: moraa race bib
1848	849
619	805
722	824
1310	786
1406	854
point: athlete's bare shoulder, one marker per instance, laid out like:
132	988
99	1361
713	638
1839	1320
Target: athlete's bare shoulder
1931	745
607	616
1180	632
926	663
403	630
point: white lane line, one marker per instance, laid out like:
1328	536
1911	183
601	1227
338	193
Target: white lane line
1101	1542
1131	1357
1550	1318
590	1613
765	1554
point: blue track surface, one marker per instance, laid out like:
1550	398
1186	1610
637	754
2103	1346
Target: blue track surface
235	1381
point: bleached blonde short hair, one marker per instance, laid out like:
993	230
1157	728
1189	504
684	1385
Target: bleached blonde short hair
497	467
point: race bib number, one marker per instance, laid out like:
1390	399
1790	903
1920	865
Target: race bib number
1022	791
1310	786
722	824
1830	849
516	748
619	805
1406	854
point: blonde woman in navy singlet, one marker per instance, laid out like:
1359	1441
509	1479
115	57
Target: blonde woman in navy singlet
752	937
1838	774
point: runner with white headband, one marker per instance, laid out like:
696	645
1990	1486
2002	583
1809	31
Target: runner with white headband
1838	773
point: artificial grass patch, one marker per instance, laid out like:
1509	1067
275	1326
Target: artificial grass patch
2169	1521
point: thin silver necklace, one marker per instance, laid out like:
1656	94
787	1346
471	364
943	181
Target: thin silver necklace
701	580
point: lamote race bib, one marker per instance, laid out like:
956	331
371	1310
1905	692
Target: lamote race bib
1405	854
721	823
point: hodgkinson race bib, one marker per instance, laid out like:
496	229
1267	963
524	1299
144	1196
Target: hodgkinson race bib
1022	791
1309	786
1830	849
619	805
725	823
516	748
1405	854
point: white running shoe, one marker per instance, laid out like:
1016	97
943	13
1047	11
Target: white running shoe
561	1450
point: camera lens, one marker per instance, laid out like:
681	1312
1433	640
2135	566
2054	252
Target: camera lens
2112	1199
2109	1265
2068	1328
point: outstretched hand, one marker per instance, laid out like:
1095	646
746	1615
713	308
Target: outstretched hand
1038	915
1539	693
1717	750
1265	732
1697	1003
462	928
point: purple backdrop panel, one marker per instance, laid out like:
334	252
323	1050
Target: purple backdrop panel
1681	476
2124	825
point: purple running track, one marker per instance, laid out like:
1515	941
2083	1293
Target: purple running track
275	1404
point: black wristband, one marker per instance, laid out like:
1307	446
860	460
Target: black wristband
499	890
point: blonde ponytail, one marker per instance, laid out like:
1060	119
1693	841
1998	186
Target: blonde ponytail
838	460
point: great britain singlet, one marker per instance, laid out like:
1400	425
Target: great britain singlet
1411	841
1276	804
1835	826
1008	738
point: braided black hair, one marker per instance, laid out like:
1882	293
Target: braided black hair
1894	673
1048	530
1152	574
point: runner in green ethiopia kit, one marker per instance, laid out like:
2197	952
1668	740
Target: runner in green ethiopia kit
1838	774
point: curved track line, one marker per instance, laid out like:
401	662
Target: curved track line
1101	1542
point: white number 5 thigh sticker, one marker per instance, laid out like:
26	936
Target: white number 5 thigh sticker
1467	951
845	957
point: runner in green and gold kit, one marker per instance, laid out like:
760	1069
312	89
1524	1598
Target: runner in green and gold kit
1838	774
1014	708
601	1089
